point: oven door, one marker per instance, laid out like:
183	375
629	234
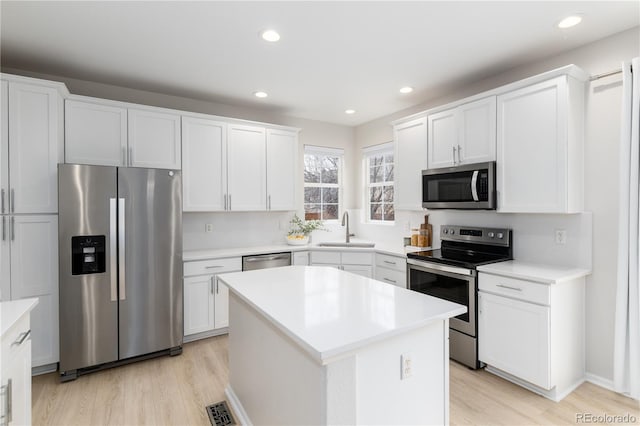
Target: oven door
450	283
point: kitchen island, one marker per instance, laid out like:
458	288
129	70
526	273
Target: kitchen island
317	345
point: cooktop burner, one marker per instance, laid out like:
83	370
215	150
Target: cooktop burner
469	247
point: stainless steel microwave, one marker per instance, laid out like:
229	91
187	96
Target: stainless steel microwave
467	187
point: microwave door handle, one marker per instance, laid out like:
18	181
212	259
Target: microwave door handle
474	186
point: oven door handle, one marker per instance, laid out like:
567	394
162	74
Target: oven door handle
443	268
474	186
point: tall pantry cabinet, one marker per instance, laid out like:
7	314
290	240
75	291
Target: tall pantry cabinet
30	150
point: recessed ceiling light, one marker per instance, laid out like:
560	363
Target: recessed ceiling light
349	111
270	35
260	94
570	21
406	89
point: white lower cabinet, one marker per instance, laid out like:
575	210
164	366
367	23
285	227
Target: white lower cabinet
300	258
391	269
532	333
206	301
360	263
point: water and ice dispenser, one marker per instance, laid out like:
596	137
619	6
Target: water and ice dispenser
88	254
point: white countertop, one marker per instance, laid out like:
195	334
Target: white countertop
12	311
391	249
534	272
330	312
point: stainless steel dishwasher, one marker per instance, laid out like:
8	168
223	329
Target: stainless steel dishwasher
262	261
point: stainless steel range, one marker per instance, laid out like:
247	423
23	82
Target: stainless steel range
450	273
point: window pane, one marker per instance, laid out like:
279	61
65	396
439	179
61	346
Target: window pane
388	193
388	173
389	212
376	160
330	195
311	168
312	212
375	174
330	212
330	170
312	195
376	211
388	158
375	194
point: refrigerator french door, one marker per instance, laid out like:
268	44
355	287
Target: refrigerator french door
120	245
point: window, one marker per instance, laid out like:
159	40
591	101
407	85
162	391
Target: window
322	183
379	183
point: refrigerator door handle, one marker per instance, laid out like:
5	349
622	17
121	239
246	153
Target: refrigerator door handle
113	248
121	248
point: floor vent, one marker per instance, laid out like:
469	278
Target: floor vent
219	414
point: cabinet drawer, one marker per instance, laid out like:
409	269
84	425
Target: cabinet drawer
515	288
392	262
391	276
358	258
325	257
214	266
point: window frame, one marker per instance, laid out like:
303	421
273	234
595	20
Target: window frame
327	152
367	154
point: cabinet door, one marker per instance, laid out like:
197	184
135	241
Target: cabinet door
221	305
532	148
16	368
411	158
204	173
365	271
246	157
44	331
198	304
34	148
443	139
300	258
514	337
391	276
95	134
4	148
282	158
154	139
477	131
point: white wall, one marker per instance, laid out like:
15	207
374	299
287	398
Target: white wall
533	233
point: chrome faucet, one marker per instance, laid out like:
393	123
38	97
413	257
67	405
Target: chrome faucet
345	222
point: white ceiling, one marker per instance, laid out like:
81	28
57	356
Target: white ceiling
332	55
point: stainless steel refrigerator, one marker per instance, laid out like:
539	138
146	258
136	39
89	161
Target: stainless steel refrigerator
120	246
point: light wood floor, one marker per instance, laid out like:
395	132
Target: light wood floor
174	391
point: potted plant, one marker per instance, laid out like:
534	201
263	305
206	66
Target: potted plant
300	230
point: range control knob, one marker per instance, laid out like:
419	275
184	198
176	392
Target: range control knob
491	234
452	231
445	231
500	235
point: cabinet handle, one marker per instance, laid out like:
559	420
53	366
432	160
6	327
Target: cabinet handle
211	285
213	266
130	155
229	201
216	286
124	156
2	199
225	201
453	148
390	280
508	287
269	204
459	158
13	228
21	338
7	415
389	262
12	202
4	225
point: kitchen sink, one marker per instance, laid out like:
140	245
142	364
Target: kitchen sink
344	244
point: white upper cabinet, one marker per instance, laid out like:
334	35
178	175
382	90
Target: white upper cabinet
110	133
540	147
246	168
34	147
282	157
204	157
463	135
154	139
95	134
411	158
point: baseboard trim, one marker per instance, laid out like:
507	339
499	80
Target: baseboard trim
205	335
553	394
241	415
599	381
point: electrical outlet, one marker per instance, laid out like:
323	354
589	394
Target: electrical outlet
208	227
406	366
561	236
